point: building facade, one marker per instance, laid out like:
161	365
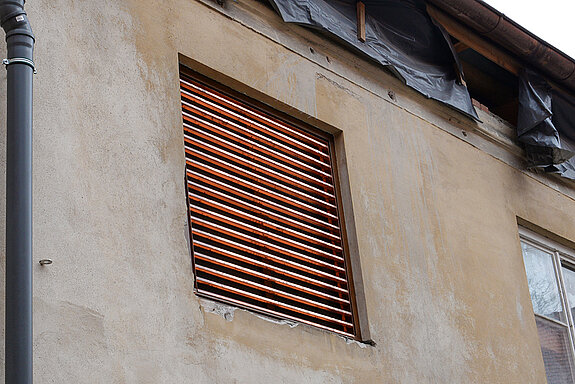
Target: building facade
432	202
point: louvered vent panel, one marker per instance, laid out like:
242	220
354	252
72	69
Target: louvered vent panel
262	205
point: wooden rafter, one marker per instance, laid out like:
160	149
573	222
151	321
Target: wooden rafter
361	21
471	39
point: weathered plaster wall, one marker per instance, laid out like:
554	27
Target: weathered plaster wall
435	211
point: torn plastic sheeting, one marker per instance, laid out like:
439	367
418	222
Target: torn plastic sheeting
546	125
563	115
567	168
399	34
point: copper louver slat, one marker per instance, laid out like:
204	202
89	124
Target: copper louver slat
263	209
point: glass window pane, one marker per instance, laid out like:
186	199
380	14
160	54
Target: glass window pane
542	282
569	280
556	352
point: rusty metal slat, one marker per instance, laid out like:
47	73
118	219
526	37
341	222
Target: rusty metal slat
268	159
262	211
273	302
258	188
277	293
273	122
256	199
266	244
249	164
259	220
257	178
253	114
212	160
280	315
245	151
265	234
254	125
214	128
274	280
281	271
208	116
273	257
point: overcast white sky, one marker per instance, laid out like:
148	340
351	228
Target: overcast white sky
551	20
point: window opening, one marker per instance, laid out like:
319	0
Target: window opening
491	87
265	220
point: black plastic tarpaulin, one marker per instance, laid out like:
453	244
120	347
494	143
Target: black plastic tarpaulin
546	125
399	35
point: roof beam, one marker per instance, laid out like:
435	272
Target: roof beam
361	21
472	40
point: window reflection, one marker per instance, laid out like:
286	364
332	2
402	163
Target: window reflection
542	283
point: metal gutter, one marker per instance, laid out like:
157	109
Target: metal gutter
497	27
20	68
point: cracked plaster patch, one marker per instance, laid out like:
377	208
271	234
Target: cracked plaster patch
223	310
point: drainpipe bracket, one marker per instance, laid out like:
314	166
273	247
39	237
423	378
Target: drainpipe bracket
19	60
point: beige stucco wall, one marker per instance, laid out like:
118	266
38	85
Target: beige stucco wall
435	210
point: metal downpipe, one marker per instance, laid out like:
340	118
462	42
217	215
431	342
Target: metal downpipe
20	68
